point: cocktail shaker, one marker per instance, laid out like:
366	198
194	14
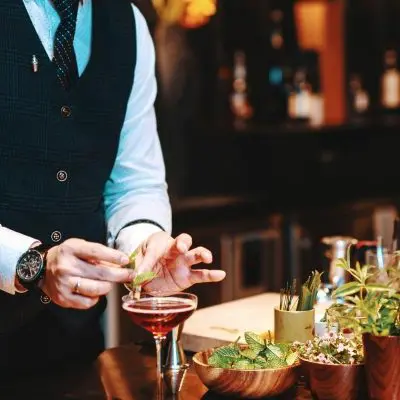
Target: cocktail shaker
176	365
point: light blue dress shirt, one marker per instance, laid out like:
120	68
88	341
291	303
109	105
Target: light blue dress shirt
136	188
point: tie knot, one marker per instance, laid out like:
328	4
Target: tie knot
66	8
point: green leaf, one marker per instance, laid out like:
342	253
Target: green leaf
227	351
254	341
144	277
358	268
364	273
291	358
243	364
341	263
132	259
275	362
347	289
261	361
249	353
215	360
276	350
375	287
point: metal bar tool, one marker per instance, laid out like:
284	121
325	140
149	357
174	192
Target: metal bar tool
176	365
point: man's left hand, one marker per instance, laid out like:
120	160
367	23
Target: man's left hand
171	259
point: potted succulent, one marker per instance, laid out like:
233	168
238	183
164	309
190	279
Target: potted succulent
373	311
327	360
294	319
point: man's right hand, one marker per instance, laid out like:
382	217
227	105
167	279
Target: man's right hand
79	272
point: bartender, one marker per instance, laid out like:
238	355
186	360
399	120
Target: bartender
82	179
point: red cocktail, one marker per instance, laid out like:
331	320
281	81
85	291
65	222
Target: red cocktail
159	313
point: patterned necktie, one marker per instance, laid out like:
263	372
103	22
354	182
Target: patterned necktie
64	54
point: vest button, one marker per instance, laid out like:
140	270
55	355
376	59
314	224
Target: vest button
62	176
56	236
45	299
66	111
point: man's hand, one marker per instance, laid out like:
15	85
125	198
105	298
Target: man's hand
79	272
171	259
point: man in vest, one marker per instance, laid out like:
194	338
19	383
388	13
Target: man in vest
82	180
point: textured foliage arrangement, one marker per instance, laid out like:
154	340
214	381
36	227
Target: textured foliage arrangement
258	353
368	307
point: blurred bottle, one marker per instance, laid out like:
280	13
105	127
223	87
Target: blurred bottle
299	102
390	82
359	100
240	105
306	102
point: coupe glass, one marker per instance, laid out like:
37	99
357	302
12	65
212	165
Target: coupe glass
159	313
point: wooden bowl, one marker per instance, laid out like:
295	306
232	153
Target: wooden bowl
334	382
250	384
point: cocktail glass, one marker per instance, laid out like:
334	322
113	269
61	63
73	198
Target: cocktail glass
159	313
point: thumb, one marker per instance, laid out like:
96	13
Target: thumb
148	261
152	251
151	255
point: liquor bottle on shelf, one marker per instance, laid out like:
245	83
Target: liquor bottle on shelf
359	100
240	106
390	82
299	101
305	102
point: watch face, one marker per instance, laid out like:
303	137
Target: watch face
30	266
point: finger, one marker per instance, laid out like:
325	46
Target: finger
198	255
182	243
89	287
101	272
150	259
93	252
206	275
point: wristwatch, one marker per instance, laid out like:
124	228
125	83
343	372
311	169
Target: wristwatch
31	266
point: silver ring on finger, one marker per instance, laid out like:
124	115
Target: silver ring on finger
77	286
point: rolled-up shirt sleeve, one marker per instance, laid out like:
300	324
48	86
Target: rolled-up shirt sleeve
137	189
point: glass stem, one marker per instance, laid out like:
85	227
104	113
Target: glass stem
159	349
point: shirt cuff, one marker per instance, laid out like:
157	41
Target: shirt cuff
132	236
12	246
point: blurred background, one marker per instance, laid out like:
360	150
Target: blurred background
279	121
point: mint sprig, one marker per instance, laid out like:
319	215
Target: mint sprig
139	279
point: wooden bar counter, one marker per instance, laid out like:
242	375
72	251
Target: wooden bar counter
123	373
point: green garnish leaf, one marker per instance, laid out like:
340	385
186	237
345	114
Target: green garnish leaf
249	353
255	342
141	278
132	260
291	358
216	360
144	277
228	351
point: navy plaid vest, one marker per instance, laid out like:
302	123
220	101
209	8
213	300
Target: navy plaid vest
57	148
